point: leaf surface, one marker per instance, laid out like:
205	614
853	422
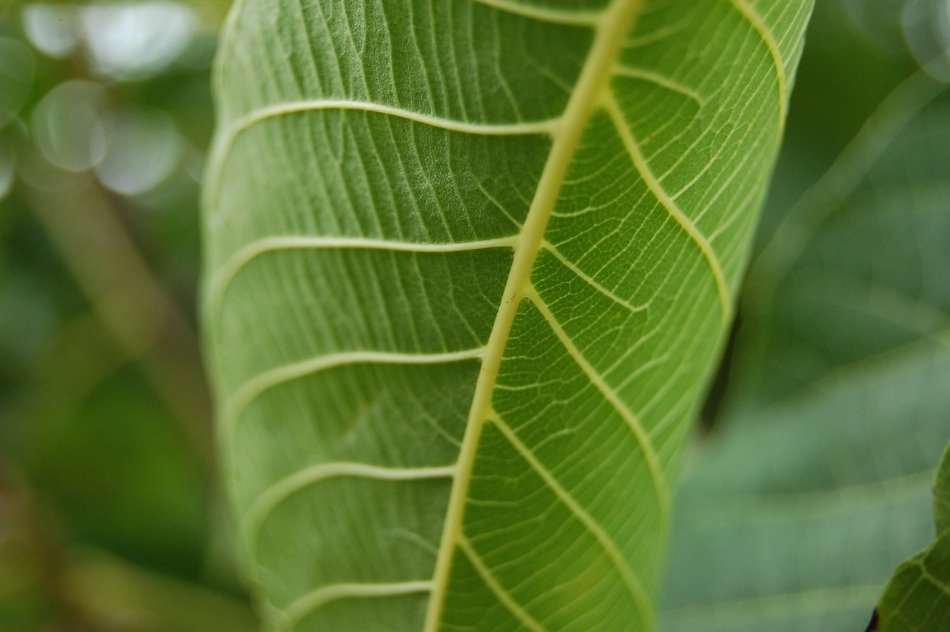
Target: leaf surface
469	266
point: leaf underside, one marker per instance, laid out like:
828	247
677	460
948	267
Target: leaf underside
469	265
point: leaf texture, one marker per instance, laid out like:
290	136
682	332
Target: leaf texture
796	514
469	265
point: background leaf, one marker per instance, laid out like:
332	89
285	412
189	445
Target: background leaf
470	264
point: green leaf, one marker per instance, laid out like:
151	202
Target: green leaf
918	596
469	266
794	516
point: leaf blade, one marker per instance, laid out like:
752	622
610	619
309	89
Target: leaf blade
485	235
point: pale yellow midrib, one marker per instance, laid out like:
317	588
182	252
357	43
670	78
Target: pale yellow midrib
590	89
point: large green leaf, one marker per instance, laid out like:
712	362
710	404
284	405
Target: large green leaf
794	516
469	266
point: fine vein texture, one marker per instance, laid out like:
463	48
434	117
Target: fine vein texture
917	598
818	484
469	264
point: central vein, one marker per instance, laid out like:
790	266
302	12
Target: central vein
587	97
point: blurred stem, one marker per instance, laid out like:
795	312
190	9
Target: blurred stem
133	306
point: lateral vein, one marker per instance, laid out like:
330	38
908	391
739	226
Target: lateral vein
253	388
275	495
227	139
743	7
656	78
632	582
660	487
279	243
497	589
314	600
650	179
633	309
276	110
542	14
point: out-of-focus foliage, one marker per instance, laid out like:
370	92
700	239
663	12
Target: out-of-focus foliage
109	511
